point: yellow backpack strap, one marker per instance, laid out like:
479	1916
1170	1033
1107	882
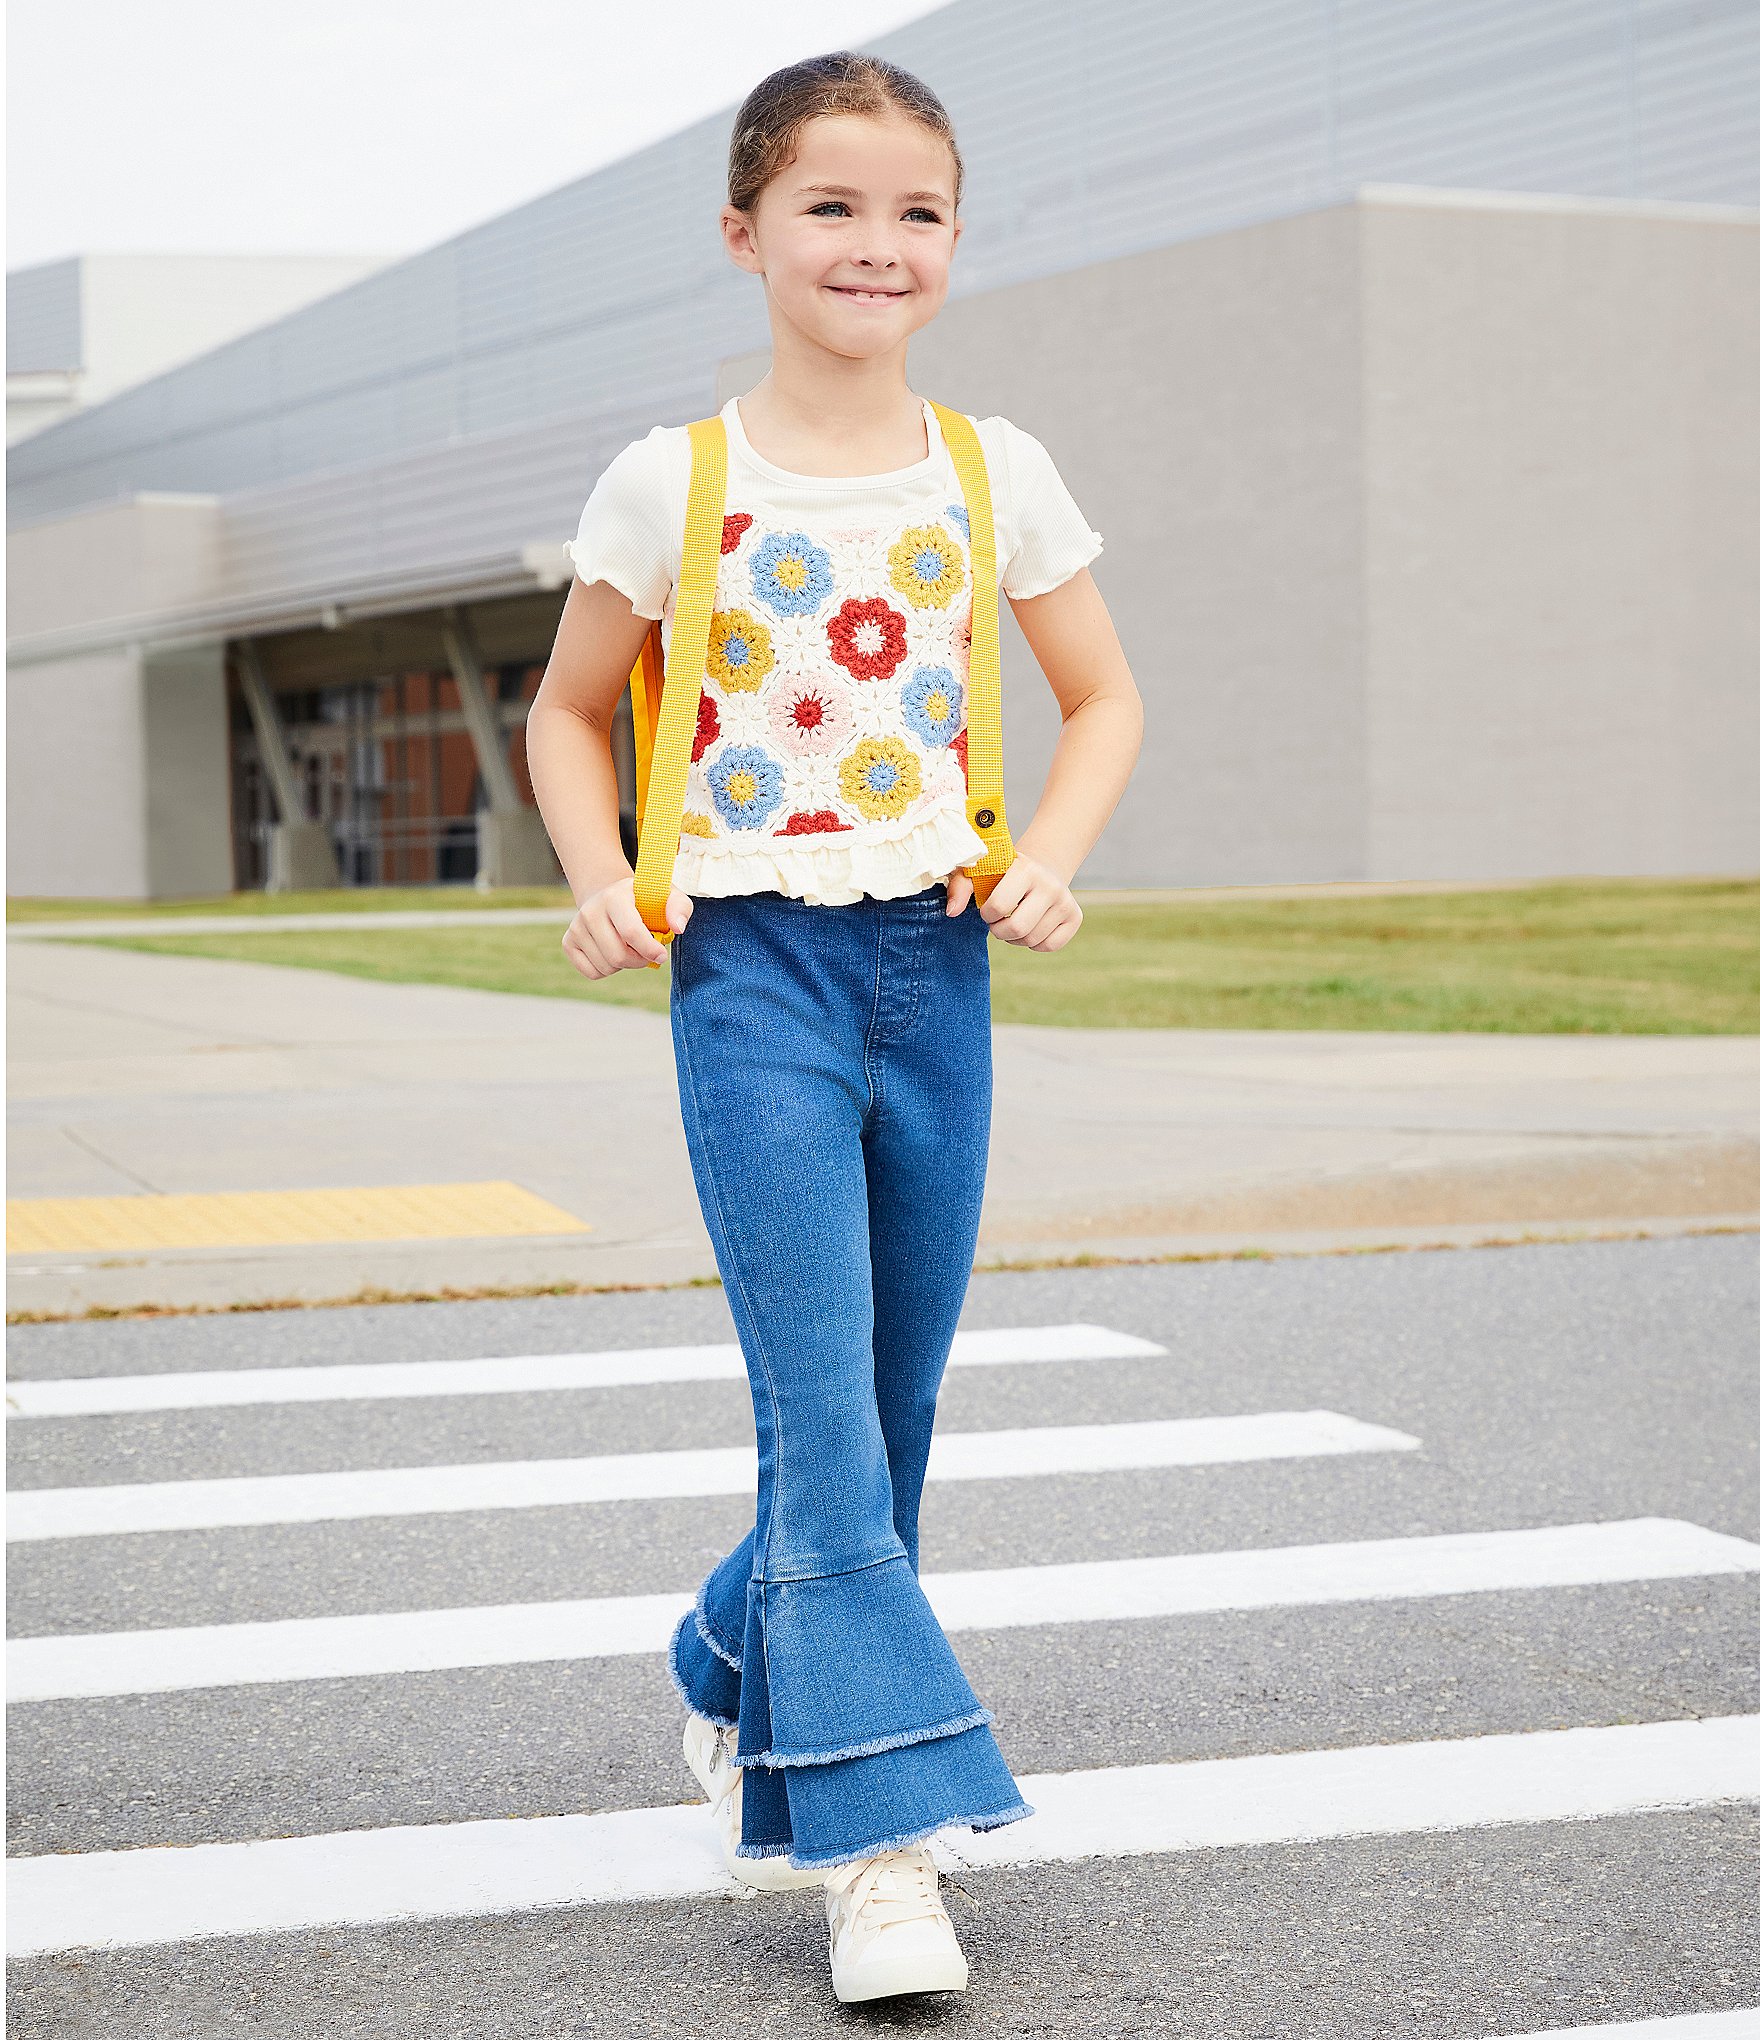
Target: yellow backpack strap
644	702
665	705
984	809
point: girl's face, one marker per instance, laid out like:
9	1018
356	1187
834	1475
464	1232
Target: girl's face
854	237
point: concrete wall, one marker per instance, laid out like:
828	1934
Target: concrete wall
1204	405
118	776
1562	531
1429	532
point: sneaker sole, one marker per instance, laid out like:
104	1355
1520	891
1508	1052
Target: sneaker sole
756	1873
902	1978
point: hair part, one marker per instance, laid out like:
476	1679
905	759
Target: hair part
767	128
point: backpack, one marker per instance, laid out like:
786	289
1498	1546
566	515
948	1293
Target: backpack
664	695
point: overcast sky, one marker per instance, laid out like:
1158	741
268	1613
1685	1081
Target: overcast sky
358	126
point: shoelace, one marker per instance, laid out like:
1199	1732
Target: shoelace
899	1884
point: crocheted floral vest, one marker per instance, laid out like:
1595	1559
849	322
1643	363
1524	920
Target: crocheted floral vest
832	717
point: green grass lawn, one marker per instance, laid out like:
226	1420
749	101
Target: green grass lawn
1596	957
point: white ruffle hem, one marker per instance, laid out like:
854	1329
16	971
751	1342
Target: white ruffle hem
833	870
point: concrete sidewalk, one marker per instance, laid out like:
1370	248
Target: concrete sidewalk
134	1073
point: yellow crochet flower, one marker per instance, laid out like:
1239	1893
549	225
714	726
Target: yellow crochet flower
696	825
739	650
880	777
926	567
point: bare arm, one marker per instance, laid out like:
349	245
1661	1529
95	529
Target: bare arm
1070	633
568	749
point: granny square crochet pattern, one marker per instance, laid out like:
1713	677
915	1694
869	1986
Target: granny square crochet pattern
834	698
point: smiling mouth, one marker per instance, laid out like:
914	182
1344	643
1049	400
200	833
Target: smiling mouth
860	294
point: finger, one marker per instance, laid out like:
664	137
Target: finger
627	932
959	893
604	941
1055	931
1024	918
578	954
1005	895
679	908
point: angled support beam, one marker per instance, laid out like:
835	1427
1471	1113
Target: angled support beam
301	854
481	715
271	743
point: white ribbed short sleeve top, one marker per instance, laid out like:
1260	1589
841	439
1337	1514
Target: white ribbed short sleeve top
830	752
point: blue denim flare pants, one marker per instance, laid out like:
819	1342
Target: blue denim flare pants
834	1077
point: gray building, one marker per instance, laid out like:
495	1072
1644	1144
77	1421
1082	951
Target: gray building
1401	354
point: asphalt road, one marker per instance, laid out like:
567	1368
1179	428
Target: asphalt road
1576	1384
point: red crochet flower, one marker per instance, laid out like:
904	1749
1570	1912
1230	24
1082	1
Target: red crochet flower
820	822
958	748
867	638
708	727
733	529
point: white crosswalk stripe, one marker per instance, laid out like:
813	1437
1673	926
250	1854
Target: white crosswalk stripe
652	1476
353	1646
520	1374
167	1889
128	1897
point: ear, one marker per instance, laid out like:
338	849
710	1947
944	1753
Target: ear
739	239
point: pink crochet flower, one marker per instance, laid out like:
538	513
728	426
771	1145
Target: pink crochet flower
811	717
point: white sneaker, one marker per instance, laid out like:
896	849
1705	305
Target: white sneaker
708	1749
890	1933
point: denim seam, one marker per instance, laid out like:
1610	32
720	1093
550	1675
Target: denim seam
919	938
874	1016
761	1561
778	1760
757	1338
842	1572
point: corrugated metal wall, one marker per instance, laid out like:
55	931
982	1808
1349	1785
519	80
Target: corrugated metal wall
44	331
1090	132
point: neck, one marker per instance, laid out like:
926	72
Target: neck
823	413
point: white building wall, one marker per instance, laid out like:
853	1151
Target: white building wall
76	787
1562	435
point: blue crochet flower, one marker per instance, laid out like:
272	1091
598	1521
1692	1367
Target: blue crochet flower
791	574
958	516
931	699
746	785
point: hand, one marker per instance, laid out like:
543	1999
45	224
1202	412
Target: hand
1029	904
608	933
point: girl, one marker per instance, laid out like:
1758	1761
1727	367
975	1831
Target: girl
830	987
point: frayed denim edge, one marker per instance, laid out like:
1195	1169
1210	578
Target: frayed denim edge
683	1691
996	1820
777	1760
700	1612
978	1825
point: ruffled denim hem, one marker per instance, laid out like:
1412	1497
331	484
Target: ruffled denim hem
692	1704
779	1760
979	1824
700	1612
675	1672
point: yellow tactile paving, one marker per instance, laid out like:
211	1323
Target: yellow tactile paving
281	1218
